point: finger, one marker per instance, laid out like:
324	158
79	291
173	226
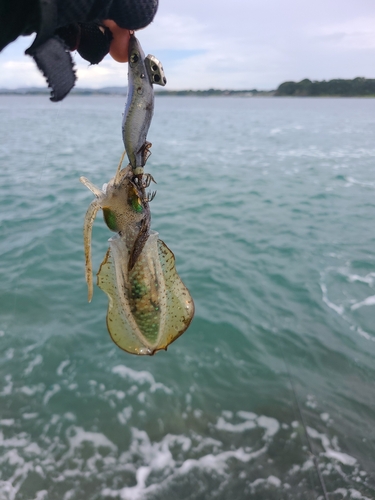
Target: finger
120	42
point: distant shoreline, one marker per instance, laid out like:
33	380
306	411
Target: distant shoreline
358	87
201	94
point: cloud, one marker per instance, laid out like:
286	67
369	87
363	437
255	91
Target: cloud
172	31
20	74
234	44
353	34
107	73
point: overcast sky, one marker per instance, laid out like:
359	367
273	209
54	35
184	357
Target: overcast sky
239	44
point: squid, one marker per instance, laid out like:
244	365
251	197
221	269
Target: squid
149	306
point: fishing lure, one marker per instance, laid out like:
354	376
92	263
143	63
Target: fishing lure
143	73
149	306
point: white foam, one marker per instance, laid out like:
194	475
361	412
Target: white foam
29	416
365	335
271	425
12	457
70	416
227	426
352	181
48	395
370	301
257	482
41	495
61	367
2	333
338	309
14	442
158	457
357	495
246	415
30	391
274	481
316	435
77	436
197	413
7	490
271	480
142	397
118	394
344	458
33	448
125	415
218	462
35	362
140	377
341	491
309	464
7	422
215	444
9	387
294	469
369	278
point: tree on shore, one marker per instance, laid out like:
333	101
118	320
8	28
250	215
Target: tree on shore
347	88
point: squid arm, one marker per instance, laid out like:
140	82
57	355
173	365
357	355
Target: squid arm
87	232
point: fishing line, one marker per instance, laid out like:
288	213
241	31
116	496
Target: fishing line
315	460
39	179
44	161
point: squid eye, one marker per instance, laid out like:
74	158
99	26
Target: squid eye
110	219
135	202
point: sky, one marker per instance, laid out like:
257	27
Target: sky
233	44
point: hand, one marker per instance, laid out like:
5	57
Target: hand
92	27
118	48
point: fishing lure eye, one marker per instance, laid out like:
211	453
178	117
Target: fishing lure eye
110	219
134	58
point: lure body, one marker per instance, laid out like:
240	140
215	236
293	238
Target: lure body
139	109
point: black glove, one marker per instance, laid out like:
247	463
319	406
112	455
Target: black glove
64	25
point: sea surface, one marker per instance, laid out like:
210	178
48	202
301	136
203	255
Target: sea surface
268	205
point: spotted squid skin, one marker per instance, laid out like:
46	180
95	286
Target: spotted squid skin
149	307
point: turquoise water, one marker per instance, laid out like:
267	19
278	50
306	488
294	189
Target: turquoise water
268	205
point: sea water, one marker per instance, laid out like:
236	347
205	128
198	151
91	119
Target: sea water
268	205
